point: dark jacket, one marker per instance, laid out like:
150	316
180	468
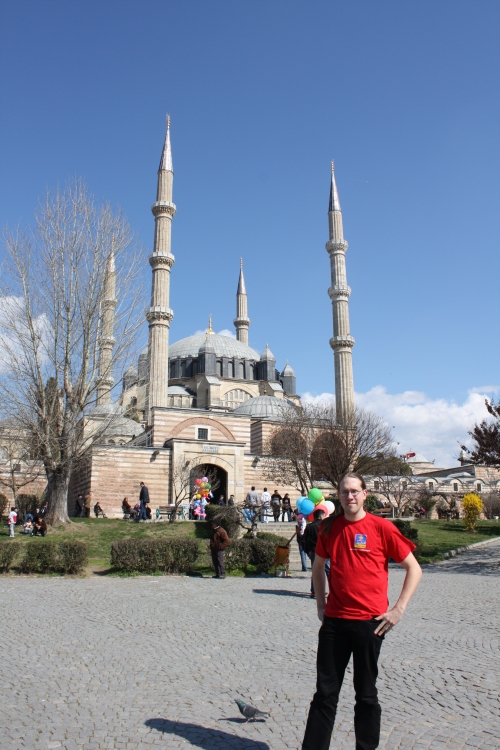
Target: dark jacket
219	540
310	536
144	496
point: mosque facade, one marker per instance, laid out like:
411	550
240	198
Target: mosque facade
208	400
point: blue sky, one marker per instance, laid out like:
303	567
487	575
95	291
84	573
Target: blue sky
403	95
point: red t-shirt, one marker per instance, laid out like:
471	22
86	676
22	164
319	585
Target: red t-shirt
359	552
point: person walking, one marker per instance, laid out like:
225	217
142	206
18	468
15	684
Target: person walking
219	541
286	508
143	500
310	540
87	502
251	503
276	505
356	616
265	506
12	520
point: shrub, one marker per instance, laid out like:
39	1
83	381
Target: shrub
408	530
149	555
39	557
472	505
275	538
227	516
262	553
371	503
7	553
73	556
238	554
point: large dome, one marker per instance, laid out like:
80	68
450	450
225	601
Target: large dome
224	346
264	407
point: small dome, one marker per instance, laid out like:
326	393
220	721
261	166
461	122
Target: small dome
417	459
124	427
264	407
287	371
267	354
131	371
224	346
106	410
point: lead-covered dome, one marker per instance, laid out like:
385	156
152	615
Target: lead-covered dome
224	346
264	407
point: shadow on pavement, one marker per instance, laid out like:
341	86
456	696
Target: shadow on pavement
481	561
208	739
281	592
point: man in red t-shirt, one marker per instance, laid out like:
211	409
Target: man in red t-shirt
357	615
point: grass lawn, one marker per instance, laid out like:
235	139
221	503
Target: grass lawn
436	537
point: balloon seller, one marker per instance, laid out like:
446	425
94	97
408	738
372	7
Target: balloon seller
356	616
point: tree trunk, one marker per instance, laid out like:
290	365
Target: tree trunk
57	497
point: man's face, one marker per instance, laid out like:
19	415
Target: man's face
352	495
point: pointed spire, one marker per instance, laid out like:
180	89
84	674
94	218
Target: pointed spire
241	280
210	329
166	157
334	196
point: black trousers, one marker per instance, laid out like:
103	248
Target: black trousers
219	563
338	639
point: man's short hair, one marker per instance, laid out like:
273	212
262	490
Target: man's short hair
318	514
142	484
253	488
265	489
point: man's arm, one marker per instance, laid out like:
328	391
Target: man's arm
319	581
412	578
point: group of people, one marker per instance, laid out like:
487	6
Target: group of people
141	511
197	506
269	506
83	506
33	524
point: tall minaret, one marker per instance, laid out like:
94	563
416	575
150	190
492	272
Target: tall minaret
241	321
106	341
161	261
342	341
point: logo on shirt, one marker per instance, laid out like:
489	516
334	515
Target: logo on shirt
359	541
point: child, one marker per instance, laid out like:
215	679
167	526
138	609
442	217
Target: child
12	520
28	526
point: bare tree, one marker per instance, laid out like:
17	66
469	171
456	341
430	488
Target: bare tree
491	504
400	491
17	467
51	302
309	445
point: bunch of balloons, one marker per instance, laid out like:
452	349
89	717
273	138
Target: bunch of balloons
314	501
201	488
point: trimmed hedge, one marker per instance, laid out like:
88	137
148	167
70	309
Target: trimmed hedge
244	552
50	557
410	532
149	555
266	536
8	551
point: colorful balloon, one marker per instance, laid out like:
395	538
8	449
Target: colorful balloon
310	517
330	506
322	506
205	479
315	495
306	506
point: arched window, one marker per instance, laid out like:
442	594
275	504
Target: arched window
235	398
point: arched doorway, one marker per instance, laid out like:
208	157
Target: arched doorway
217	476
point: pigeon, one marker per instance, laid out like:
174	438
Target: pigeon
249	712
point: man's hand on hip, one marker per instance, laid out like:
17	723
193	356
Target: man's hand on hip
388	620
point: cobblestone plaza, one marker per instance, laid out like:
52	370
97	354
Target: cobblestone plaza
157	662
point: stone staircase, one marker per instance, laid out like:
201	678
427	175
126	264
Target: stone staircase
286	530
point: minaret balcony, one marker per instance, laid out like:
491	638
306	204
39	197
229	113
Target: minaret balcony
107	342
339	292
341	342
241	322
163	208
336	246
159	314
157	260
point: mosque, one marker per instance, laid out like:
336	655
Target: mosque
207	400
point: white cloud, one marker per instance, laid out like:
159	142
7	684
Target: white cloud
224	332
432	427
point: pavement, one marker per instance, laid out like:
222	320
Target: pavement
157	662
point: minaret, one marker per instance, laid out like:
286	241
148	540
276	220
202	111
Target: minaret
241	321
161	261
342	341
106	341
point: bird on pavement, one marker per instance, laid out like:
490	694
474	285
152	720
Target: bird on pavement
249	712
